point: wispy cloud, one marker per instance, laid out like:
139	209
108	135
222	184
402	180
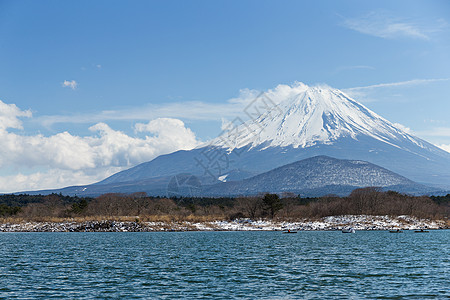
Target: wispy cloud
396	84
70	84
383	25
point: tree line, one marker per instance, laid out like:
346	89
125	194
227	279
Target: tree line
287	206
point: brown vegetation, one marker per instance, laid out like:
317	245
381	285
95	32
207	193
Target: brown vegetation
372	201
140	207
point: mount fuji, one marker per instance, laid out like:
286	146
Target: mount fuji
311	122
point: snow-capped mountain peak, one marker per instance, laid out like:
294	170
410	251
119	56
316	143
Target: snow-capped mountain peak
314	115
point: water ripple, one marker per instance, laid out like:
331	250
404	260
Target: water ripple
231	265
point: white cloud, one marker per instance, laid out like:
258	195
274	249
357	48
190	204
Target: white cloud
88	158
9	116
168	132
384	26
444	147
51	179
71	84
403	127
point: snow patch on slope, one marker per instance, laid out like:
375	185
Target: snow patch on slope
223	178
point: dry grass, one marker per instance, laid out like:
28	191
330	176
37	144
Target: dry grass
144	218
447	223
180	218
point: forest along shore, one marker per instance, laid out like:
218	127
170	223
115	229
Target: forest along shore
363	209
358	222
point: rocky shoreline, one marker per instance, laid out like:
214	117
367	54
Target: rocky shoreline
358	222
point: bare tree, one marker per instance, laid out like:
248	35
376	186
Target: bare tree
251	206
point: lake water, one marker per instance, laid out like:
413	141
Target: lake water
193	265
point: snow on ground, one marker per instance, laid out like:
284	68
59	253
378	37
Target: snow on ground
358	222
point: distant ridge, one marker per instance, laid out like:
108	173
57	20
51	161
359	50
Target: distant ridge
318	176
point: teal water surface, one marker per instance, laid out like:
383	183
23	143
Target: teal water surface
224	265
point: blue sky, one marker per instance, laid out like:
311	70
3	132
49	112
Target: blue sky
89	88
